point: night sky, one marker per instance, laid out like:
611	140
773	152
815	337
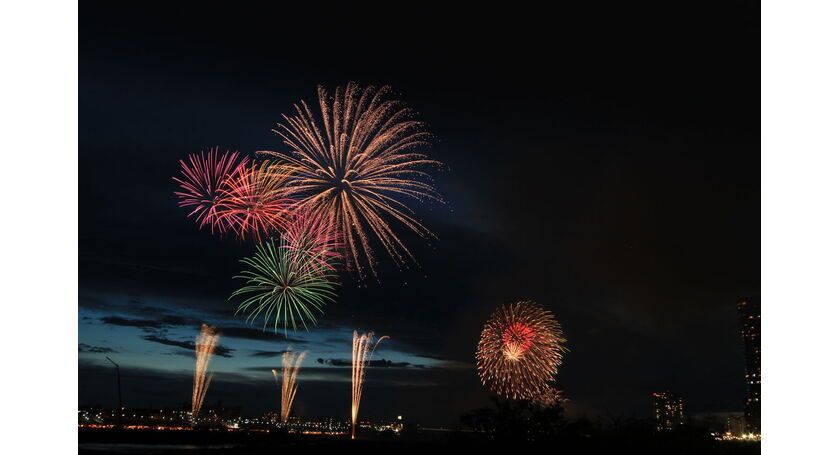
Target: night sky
603	163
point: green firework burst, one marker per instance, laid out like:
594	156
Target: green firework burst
287	284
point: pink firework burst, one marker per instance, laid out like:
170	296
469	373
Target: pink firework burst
255	200
202	178
315	236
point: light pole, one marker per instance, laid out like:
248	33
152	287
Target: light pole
119	394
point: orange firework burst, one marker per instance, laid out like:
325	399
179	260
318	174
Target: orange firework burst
255	199
354	162
520	349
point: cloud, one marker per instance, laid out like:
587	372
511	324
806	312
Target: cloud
259	353
220	350
139	323
122	305
173	320
180	353
248	333
373	363
164	321
95	349
433	357
92	303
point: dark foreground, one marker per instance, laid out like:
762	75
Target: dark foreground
103	441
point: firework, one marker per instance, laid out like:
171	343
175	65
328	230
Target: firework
363	347
254	199
352	164
316	237
548	398
285	283
205	346
201	182
288	385
520	349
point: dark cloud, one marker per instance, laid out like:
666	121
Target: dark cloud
92	303
175	320
163	321
190	345
139	323
382	363
181	344
180	353
248	333
258	353
433	357
95	349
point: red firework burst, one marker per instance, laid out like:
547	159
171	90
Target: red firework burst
201	182
255	200
516	339
520	349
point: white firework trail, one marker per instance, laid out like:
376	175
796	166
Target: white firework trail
288	383
205	346
361	358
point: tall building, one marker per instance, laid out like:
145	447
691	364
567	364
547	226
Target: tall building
668	411
749	314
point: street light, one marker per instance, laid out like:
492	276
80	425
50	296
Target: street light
119	393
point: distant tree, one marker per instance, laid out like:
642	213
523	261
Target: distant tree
513	420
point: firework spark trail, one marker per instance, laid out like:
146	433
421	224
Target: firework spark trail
361	358
352	164
288	283
205	346
520	349
316	237
255	199
288	385
201	182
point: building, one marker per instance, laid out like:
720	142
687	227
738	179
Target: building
717	422
668	411
749	315
735	425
